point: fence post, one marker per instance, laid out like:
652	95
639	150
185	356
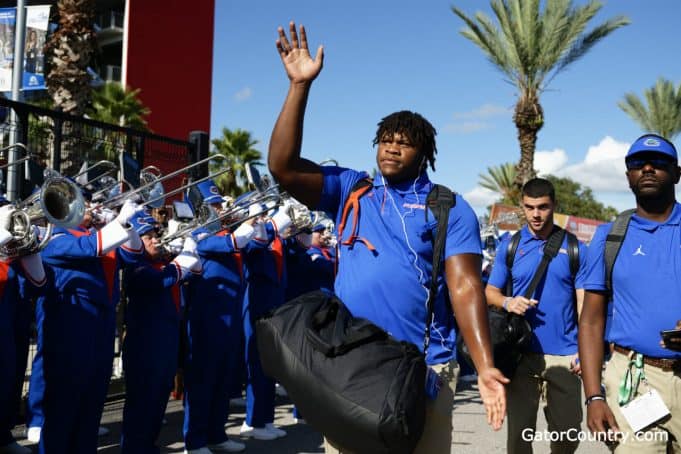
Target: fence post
198	150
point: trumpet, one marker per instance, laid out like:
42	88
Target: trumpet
60	202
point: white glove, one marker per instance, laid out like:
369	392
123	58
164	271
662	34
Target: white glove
5	236
281	219
105	215
243	235
6	216
189	245
254	210
128	210
187	263
176	245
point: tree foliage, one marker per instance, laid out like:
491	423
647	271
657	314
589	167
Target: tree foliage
660	112
572	198
111	103
576	200
530	46
500	179
238	147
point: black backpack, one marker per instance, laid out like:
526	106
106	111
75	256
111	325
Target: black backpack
354	383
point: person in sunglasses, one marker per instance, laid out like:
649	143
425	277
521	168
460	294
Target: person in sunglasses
642	378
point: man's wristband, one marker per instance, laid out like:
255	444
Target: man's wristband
505	303
593	398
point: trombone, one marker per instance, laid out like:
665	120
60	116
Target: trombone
214	222
27	157
145	189
106	173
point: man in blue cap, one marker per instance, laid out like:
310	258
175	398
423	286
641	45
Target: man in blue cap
150	348
642	381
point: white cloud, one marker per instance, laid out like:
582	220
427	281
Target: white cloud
602	168
549	162
484	111
473	120
467	127
243	94
481	197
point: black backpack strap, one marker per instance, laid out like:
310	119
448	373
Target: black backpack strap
440	200
573	253
551	249
510	256
613	243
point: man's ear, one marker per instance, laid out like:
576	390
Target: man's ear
677	174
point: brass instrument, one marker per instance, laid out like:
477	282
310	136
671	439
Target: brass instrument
60	202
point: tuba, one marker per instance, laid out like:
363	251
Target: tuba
59	202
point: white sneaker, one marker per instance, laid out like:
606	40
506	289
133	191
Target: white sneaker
259	433
299	421
102	431
275	430
33	434
228	446
14	448
203	450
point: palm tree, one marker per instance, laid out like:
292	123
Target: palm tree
238	147
530	48
69	50
501	179
662	114
67	55
111	103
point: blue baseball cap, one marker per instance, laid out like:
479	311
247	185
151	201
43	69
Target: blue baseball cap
210	192
653	143
318	227
143	223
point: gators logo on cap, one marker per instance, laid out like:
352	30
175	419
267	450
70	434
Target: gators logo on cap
650	142
214	190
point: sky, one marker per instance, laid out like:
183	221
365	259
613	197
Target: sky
382	56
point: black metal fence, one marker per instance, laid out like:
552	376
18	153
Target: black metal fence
63	142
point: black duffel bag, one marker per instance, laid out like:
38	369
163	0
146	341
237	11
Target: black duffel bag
358	386
510	335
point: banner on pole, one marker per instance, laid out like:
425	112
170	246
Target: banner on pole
37	22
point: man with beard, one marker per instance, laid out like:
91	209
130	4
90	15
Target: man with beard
644	369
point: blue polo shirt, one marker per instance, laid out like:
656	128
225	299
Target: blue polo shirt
389	286
645	282
554	319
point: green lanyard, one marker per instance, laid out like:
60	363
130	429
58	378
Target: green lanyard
631	380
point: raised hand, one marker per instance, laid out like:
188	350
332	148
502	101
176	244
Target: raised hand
299	65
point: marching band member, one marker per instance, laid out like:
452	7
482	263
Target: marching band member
152	335
79	328
266	286
19	280
323	257
214	303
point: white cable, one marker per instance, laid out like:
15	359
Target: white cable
416	257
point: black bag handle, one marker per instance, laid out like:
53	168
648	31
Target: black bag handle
352	336
550	251
440	199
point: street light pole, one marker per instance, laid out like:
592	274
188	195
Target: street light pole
17	80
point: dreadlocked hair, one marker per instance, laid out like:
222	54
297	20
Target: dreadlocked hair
417	129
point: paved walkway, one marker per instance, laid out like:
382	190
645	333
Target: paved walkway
472	435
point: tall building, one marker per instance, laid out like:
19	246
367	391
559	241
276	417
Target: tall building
162	47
